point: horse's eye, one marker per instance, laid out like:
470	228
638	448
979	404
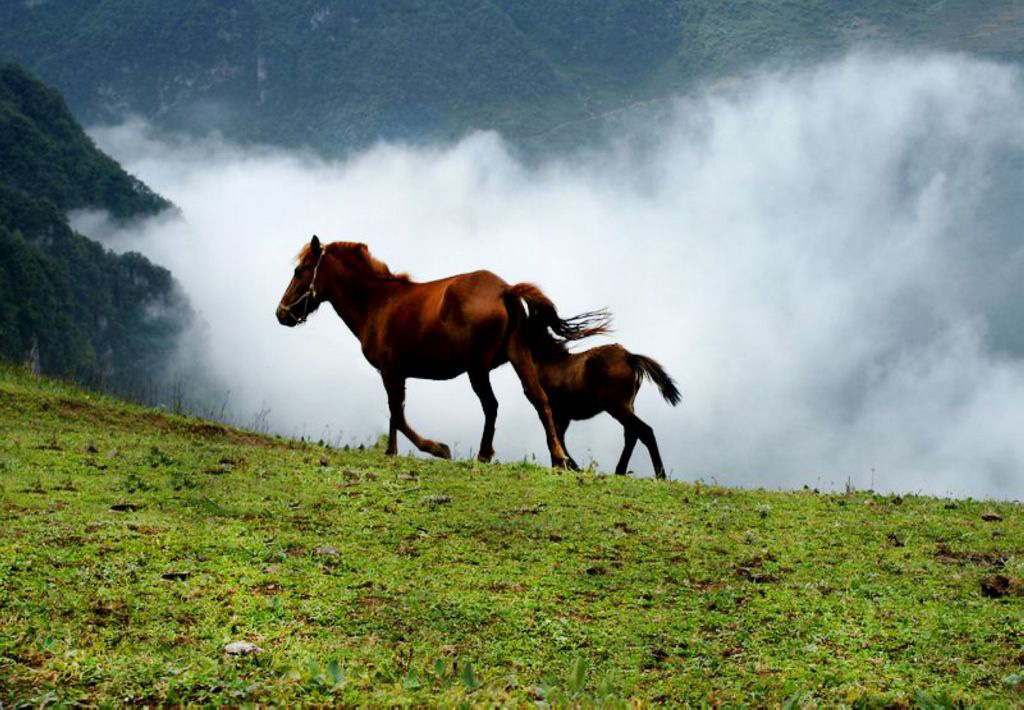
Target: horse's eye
296	272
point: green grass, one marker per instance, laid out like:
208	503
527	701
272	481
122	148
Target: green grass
376	581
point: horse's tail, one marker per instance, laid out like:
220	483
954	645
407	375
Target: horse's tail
543	315
646	367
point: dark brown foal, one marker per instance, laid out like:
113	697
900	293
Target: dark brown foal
602	379
437	330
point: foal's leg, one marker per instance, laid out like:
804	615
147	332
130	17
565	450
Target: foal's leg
395	387
627	450
638	428
481	381
522	360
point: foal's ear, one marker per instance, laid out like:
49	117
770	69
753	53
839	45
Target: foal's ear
314	246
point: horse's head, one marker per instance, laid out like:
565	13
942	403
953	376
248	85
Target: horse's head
302	296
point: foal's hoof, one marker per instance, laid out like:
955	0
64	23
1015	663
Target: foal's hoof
441	451
559	463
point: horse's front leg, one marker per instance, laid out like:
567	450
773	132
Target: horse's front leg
395	387
481	382
562	426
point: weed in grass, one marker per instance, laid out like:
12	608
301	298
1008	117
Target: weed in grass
155	458
132	482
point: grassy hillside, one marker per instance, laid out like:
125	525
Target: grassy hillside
336	75
134	545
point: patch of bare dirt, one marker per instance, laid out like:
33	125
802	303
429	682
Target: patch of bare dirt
996	586
370	601
267	589
753	570
994	559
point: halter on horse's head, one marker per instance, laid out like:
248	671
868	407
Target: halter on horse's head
300	298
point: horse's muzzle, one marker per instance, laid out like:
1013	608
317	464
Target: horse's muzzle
284	317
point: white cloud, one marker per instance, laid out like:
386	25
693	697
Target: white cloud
828	261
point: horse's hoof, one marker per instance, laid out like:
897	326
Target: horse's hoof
485	458
442	451
389	452
559	463
573	466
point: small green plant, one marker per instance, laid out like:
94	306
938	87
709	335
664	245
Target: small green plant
134	483
793	701
572	690
182	480
939	701
327	678
156	458
468	677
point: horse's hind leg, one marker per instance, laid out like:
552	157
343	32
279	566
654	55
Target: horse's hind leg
638	428
522	360
481	382
395	387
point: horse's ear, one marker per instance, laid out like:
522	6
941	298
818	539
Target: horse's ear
314	246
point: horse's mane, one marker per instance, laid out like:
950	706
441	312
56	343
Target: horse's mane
375	266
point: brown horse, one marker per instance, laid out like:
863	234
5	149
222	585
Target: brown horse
602	379
437	330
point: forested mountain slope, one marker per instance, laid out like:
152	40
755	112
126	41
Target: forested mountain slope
337	74
47	154
67	305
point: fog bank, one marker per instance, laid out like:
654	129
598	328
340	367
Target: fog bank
829	261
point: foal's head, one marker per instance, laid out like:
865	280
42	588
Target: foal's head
304	293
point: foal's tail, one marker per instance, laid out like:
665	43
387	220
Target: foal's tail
544	315
646	367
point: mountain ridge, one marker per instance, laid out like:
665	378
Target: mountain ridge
336	76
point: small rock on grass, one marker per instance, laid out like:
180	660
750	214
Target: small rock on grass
237	648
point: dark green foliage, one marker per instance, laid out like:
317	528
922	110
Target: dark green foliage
74	309
67	305
47	154
336	75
